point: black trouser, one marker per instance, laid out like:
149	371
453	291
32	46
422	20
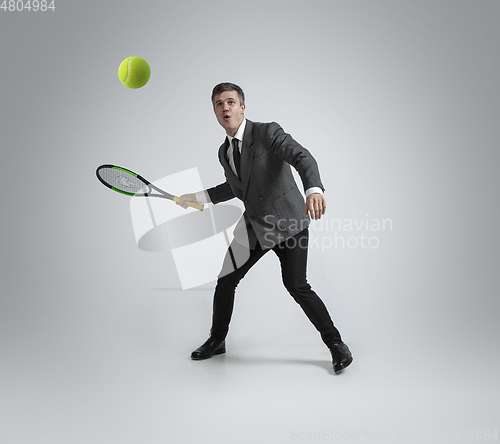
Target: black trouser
293	257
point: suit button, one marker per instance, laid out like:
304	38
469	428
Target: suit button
265	213
260	197
246	201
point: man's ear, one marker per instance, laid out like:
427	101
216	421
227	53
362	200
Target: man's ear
242	108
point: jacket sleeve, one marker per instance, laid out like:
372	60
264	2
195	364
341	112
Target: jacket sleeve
220	193
287	149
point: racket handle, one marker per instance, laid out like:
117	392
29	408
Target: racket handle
190	204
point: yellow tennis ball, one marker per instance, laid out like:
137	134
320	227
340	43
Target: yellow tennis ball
134	72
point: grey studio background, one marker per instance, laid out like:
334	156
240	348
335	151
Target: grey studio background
398	102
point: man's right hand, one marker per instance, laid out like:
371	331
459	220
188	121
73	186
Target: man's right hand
186	198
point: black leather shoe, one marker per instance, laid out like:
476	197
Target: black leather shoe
208	349
341	356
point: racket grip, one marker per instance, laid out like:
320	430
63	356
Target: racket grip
190	204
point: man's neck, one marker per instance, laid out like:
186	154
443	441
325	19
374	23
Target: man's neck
236	130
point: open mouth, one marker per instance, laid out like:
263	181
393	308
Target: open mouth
226	118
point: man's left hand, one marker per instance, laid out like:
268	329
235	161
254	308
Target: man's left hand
315	206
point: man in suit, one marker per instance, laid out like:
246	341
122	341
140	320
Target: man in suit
256	158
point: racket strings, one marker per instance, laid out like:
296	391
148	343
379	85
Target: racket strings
123	181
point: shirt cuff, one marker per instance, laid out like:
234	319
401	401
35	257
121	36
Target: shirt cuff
202	197
313	190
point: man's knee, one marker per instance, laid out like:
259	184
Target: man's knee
296	284
231	279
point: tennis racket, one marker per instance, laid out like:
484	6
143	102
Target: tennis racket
131	184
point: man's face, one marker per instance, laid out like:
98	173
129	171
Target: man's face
229	111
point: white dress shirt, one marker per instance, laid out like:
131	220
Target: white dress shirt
204	198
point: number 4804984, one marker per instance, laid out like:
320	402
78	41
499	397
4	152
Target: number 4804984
28	5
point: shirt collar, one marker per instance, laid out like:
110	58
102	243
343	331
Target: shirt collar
239	133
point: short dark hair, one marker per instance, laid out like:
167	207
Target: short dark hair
226	86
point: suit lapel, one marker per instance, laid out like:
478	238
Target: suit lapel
246	155
223	155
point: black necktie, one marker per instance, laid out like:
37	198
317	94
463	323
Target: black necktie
236	157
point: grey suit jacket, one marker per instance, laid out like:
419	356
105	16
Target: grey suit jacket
274	207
